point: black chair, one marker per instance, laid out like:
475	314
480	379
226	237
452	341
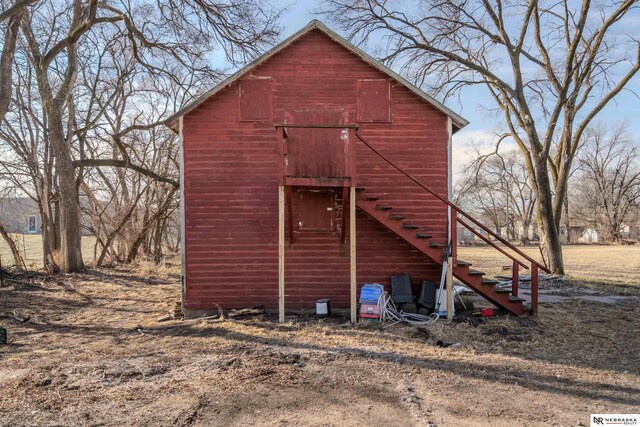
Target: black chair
401	289
427	295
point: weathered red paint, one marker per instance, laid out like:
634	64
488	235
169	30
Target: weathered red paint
255	100
316	152
374	101
232	169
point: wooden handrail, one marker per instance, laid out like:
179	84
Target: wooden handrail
460	211
490	243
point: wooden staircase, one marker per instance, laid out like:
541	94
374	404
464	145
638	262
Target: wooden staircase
414	234
418	237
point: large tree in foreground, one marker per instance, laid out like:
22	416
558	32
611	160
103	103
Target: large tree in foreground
549	66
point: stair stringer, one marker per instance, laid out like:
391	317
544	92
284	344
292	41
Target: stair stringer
435	254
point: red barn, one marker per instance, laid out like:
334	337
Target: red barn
309	172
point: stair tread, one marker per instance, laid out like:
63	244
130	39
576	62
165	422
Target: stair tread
383	208
370	198
489	282
515	299
476	272
423	236
462	263
436	244
397	217
410	227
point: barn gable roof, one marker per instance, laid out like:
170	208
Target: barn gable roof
458	121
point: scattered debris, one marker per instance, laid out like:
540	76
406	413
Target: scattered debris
443	344
487	312
177	311
174	314
20	318
183	323
165	317
252	311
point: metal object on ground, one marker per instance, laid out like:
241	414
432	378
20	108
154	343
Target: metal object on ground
3	336
323	307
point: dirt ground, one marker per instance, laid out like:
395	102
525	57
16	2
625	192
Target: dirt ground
93	354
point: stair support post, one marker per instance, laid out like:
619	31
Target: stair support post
534	289
281	232
453	224
352	250
449	283
515	278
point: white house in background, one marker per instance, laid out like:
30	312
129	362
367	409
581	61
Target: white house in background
20	215
590	235
630	232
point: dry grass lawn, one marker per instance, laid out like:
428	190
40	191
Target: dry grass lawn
30	247
618	265
93	354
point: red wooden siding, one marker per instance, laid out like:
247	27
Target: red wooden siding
231	179
374	101
316	152
254	100
316	210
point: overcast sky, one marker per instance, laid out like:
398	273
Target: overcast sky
482	128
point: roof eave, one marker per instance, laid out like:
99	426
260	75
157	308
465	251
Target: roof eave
458	121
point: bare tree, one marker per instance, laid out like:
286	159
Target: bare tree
27	160
498	189
61	40
10	15
609	179
550	68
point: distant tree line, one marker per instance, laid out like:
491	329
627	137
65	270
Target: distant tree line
603	191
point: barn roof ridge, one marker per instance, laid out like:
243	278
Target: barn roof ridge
457	119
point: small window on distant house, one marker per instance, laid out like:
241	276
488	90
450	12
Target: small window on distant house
32	224
254	100
374	101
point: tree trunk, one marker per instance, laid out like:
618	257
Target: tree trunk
146	227
48	228
106	247
160	229
70	231
549	237
17	258
524	235
6	64
55	229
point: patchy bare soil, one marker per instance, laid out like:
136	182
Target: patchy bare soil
92	353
